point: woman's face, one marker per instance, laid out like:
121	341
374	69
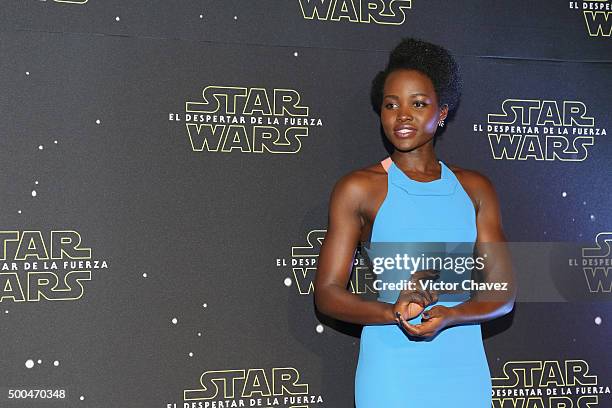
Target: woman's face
410	113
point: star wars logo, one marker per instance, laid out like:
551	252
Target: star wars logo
597	16
34	267
248	120
391	12
253	387
303	263
596	264
541	130
548	384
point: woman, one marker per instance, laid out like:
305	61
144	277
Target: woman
414	351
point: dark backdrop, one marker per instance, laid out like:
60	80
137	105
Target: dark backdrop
222	236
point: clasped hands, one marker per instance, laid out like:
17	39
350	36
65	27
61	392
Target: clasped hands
411	304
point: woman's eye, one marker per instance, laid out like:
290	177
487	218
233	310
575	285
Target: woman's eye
420	104
390	105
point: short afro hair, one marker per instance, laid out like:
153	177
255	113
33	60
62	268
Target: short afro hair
430	59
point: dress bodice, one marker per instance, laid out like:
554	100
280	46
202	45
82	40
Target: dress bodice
422	213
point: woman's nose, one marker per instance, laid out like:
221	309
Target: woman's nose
404	115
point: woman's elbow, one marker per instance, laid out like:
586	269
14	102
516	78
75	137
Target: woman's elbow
322	299
319	299
507	307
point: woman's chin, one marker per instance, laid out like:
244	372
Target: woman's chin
403	145
407	144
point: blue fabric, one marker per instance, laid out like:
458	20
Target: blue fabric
450	370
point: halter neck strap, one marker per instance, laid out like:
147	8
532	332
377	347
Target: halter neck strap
386	163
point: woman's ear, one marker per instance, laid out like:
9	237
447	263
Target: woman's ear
443	111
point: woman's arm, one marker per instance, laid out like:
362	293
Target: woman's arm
336	258
490	240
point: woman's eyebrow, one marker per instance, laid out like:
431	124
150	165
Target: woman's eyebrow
413	94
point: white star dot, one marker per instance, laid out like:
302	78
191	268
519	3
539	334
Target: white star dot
18	211
573	219
205	305
35	181
584	203
29	363
82	397
33	193
39	361
287	282
598	320
190	354
199	334
56	363
40	147
319	328
6	312
27	72
295	54
117	18
144	275
201	15
564	194
98	121
592	217
55	141
174	320
235	17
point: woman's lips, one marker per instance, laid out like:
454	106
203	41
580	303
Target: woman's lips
404	132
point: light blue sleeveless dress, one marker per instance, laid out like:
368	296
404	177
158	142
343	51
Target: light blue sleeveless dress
451	370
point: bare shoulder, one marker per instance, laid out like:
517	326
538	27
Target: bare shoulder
478	186
471	177
361	181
